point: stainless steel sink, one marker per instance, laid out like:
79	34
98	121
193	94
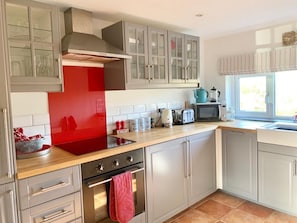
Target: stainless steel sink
282	126
280	133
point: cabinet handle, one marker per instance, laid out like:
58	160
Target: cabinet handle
9	171
185	150
59	67
189	159
295	168
51	188
12	200
55	215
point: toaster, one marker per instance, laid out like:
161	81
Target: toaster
183	116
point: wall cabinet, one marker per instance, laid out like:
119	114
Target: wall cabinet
51	197
239	151
278	177
179	173
149	66
33	44
183	58
148	48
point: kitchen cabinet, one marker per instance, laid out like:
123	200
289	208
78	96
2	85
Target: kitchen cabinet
8	211
148	48
202	164
33	45
239	151
278	177
53	197
183	58
180	172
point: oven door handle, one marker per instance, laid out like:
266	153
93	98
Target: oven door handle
90	185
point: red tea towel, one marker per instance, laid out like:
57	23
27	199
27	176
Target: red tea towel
121	202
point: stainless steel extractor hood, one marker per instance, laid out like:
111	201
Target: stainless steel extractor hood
80	43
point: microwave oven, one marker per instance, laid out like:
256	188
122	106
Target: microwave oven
209	111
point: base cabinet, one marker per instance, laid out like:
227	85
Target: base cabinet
278	177
51	197
8	213
179	173
239	150
202	161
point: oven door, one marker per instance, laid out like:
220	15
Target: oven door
96	194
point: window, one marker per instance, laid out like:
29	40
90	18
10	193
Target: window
270	96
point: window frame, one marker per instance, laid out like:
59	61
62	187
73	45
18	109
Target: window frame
270	114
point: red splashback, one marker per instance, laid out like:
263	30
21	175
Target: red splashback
79	112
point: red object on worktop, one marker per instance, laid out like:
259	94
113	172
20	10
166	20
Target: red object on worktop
78	113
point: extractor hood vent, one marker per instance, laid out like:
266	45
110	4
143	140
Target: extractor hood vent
81	44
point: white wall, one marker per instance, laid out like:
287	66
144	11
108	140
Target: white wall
214	48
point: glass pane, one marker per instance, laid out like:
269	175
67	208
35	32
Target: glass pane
161	45
140	35
154	44
17	22
132	40
173	69
179	47
162	68
189	49
42	26
173	46
141	67
20	59
44	61
285	93
194	50
133	66
179	69
252	94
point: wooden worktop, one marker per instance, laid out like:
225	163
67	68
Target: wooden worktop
58	158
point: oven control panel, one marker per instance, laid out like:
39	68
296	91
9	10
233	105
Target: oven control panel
112	163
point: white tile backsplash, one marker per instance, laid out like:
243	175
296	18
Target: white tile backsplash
34	124
22	121
128	112
126	109
139	108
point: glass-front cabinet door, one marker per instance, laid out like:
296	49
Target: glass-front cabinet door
136	46
183	58
176	57
33	46
192	58
158	63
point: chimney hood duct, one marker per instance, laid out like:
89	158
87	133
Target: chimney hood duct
81	44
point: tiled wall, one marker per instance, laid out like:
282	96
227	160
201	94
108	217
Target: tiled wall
127	112
34	124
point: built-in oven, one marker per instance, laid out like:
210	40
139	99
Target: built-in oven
97	176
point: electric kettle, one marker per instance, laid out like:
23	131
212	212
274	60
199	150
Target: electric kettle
214	95
200	95
167	118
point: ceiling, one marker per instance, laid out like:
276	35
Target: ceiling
220	17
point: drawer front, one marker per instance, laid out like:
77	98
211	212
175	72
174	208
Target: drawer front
61	210
42	188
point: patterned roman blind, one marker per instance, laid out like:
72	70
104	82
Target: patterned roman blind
265	61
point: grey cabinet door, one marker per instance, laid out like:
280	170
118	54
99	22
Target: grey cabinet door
6	148
184	58
8	213
166	179
240	164
202	163
157	53
33	43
